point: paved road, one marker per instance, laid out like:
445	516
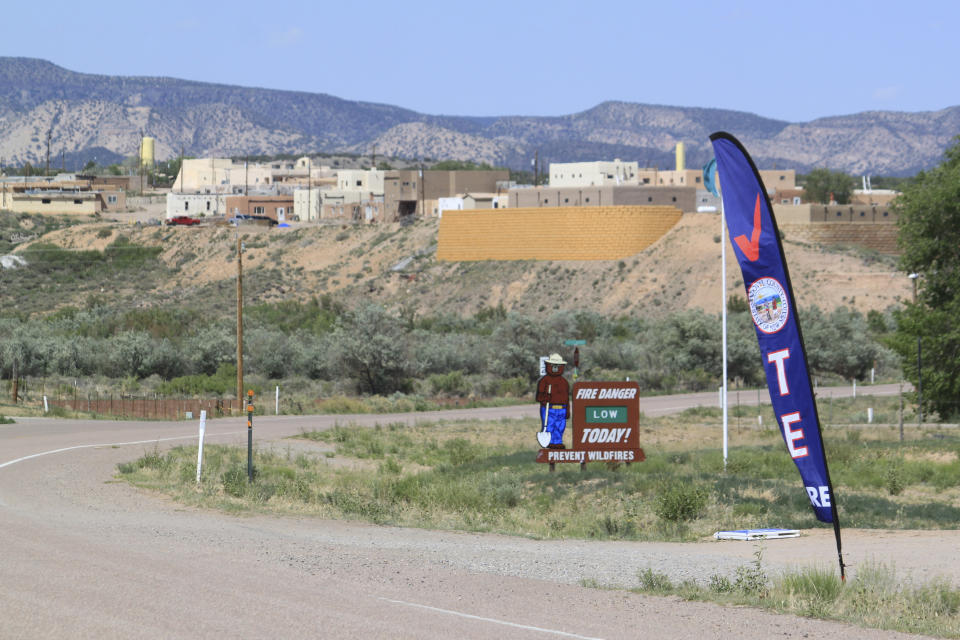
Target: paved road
85	556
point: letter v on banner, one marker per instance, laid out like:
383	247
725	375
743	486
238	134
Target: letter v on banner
753	231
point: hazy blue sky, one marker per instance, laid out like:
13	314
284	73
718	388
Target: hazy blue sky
793	61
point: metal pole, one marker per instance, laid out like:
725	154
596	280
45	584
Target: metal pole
723	307
250	436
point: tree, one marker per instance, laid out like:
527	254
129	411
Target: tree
820	183
370	345
929	219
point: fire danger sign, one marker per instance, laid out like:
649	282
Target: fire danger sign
606	417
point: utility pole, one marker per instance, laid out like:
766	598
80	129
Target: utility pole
422	190
915	277
140	163
46	171
239	317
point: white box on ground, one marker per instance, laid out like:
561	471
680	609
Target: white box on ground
757	534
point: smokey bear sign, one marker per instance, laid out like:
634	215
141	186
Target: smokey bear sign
606	417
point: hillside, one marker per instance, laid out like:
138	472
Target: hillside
96	117
396	266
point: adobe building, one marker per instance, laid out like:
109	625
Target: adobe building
406	193
683	198
277	207
66	194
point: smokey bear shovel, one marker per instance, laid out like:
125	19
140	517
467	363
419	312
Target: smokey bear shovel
543	436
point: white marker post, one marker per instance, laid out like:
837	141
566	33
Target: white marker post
277	412
203	428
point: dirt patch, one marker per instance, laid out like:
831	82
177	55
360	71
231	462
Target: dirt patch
396	264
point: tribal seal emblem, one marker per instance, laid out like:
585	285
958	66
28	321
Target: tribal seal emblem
768	305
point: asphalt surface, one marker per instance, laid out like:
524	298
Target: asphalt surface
83	555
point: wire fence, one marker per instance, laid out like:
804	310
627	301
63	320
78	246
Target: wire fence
154	406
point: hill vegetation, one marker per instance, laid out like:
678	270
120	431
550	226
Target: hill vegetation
346	310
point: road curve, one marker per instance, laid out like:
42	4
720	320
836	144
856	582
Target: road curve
85	556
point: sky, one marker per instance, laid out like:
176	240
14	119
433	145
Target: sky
793	61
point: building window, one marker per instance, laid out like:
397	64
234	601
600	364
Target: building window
208	205
885	214
588	199
649	198
546	200
112	199
359	183
566	200
646	181
839	214
258	211
78	202
186	206
674	198
862	214
697	179
45	201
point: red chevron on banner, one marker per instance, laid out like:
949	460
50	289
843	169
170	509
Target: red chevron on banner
751	248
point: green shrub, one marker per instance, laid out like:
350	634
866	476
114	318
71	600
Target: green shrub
654	582
894	479
451	384
235	481
815	584
681	502
720	584
751	580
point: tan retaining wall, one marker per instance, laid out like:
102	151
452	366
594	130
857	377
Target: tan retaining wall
558	233
879	237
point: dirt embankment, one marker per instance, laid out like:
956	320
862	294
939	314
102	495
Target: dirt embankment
397	265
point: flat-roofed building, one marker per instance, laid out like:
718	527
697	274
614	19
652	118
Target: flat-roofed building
413	192
593	174
277	207
683	198
56	202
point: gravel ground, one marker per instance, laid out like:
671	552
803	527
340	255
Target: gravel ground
85	555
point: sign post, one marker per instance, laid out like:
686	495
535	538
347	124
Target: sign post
576	344
203	428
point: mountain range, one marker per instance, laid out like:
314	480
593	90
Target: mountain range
101	118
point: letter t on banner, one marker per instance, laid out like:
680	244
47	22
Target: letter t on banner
753	233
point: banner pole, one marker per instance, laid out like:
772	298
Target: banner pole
723	312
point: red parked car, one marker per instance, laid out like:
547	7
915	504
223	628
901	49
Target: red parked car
184	220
